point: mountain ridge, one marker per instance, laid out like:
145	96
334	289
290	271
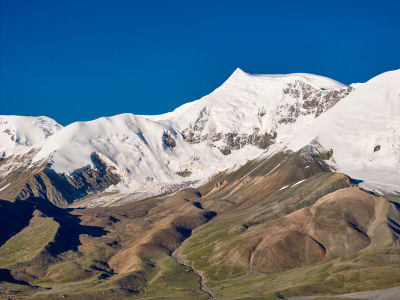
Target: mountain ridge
243	118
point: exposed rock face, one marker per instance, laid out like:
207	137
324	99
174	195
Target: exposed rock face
60	189
8	132
220	184
326	155
232	140
184	173
168	140
311	101
235	141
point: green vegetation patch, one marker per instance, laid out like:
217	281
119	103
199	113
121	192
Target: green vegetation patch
171	280
365	270
29	242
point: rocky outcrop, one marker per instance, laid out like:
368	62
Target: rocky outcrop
310	101
233	141
60	189
168	140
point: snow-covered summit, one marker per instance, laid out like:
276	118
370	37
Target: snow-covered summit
18	133
245	103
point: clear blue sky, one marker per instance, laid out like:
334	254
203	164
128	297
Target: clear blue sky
77	60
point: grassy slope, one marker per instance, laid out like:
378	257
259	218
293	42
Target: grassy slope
164	278
29	242
172	280
367	270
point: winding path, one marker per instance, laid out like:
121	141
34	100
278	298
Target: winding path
177	254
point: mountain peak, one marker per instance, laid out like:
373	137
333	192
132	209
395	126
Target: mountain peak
239	71
238	74
317	81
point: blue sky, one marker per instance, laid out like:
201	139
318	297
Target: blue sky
80	60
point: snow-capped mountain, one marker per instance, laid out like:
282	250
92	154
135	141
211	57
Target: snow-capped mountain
237	122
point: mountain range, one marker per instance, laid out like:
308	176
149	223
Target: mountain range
237	195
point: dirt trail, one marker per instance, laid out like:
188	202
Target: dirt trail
203	280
